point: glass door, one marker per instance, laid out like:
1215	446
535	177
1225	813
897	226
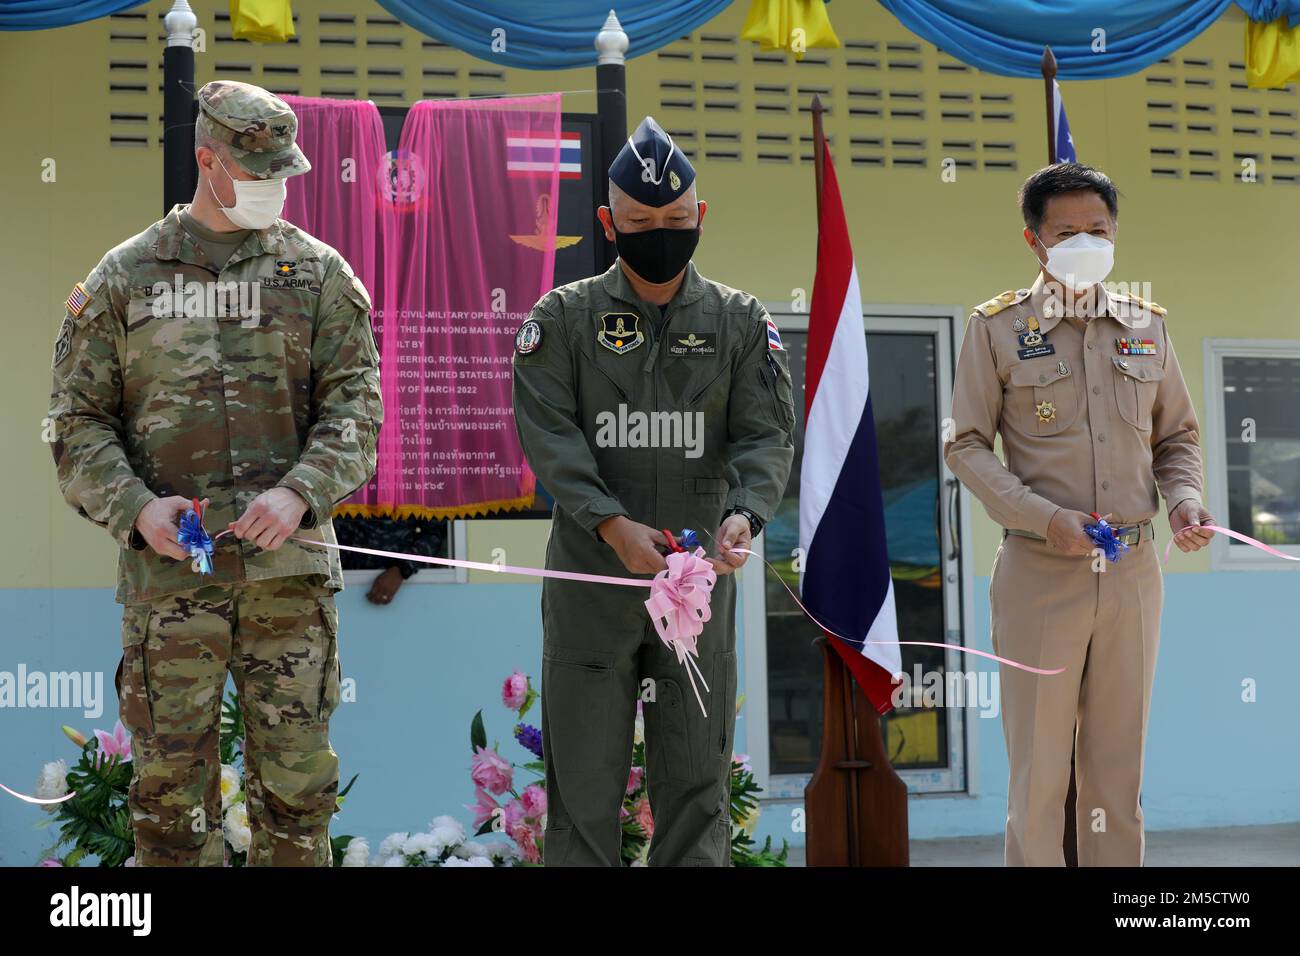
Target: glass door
910	362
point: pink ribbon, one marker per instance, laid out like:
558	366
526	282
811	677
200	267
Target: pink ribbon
679	608
956	647
1253	542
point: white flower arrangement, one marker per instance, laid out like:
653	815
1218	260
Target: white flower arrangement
443	844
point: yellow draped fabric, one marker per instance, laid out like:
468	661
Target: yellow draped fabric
263	21
1272	54
793	25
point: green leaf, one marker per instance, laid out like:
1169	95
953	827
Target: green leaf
477	733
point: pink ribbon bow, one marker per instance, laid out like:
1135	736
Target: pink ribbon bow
679	607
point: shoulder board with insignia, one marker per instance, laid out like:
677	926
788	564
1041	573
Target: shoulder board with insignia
996	304
1142	303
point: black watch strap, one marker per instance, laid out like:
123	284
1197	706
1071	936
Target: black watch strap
755	522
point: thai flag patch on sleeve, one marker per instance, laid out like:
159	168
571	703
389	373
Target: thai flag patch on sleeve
773	337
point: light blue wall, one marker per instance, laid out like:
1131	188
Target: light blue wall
424	665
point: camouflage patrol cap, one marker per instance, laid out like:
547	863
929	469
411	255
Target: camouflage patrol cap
258	126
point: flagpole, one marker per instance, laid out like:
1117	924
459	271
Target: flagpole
819	153
835	669
1069	837
1049	81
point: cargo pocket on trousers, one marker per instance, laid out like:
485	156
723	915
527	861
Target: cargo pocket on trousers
331	669
668	738
132	678
577	684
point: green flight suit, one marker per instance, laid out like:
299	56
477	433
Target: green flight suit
711	361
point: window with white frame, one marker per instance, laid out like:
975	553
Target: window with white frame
1252	444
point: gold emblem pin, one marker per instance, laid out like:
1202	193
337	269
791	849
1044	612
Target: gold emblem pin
674	180
1046	411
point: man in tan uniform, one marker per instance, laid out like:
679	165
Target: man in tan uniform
1085	390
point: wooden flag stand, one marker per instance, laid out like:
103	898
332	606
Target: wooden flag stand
856	804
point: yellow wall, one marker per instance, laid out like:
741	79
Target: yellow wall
1214	250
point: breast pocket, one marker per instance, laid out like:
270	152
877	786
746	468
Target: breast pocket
1136	384
1041	399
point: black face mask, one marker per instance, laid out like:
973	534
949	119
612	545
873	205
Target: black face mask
657	255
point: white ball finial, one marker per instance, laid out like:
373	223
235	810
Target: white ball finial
611	42
180	23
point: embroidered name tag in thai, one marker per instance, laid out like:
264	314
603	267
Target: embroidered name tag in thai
693	344
1037	351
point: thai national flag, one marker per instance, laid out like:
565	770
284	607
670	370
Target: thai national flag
535	154
1064	141
846	582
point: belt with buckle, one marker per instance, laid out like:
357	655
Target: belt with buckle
1132	535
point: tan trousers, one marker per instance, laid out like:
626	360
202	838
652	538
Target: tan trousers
1053	610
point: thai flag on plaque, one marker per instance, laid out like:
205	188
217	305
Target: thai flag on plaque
534	154
845	582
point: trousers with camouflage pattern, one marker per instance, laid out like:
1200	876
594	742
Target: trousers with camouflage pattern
278	638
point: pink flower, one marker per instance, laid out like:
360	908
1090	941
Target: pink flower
117	744
634	779
514	815
515	691
130	860
534	801
526	839
50	861
490	772
484	807
645	818
743	760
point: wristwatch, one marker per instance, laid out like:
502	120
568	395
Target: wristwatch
755	522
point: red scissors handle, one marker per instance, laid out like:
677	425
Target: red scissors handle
672	542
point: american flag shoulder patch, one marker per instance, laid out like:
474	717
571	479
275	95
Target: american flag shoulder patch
773	336
78	300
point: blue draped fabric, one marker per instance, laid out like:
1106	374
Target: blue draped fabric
47	14
1007	36
551	34
1266	11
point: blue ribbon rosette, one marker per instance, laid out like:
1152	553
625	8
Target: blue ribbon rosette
194	538
1103	535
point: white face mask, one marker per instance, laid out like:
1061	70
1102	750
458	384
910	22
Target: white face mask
258	202
1080	261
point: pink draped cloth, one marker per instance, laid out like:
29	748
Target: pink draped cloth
454	235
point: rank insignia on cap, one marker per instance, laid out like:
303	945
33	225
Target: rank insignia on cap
77	301
1046	411
615	335
529	337
1131	346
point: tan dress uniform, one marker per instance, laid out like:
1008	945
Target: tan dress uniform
1094	418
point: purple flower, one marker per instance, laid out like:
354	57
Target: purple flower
530	738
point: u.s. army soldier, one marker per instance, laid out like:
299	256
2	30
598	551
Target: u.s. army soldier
223	355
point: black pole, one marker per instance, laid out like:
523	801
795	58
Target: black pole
611	109
1048	66
180	172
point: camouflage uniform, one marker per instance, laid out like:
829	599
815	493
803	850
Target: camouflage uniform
149	401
